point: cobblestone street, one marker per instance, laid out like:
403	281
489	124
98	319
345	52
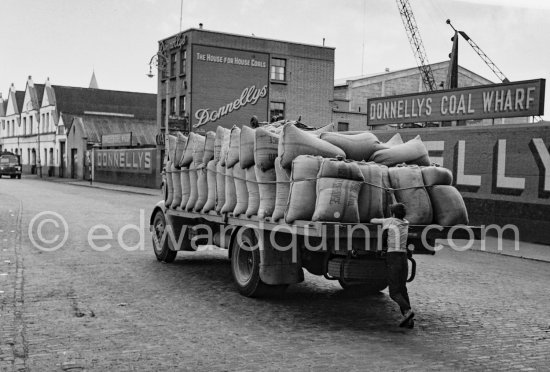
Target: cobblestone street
117	308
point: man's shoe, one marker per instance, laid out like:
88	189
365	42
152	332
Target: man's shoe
408	316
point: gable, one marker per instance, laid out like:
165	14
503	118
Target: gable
12	108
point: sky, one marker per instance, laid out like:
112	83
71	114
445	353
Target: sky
66	40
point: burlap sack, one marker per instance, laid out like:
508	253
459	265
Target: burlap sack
185	187
337	200
220	186
176	182
171	148
246	154
193	194
234	145
295	142
413	193
410	152
371	195
356	146
202	188
241	191
303	186
448	206
193	141
267	189
266	145
230	192
181	142
253	192
282	190
169	184
433	175
209	143
221	134
211	185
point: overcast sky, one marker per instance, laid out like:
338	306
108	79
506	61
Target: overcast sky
66	40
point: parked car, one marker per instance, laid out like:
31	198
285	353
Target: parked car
10	165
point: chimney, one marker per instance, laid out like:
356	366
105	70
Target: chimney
387	69
200	26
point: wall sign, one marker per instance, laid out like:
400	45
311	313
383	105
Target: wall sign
229	87
116	139
522	98
130	160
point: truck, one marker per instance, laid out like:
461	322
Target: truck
10	165
267	256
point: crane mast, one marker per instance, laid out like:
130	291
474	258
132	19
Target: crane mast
417	46
482	54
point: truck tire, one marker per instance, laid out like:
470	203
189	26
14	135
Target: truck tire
19	176
162	251
245	267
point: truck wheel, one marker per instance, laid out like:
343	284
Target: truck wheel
12	176
371	287
19	176
245	267
162	251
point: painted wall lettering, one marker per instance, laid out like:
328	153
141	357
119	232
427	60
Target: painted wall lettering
463	179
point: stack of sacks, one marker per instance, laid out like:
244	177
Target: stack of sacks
221	146
266	143
448	205
295	142
410	190
303	188
232	173
338	186
181	142
210	161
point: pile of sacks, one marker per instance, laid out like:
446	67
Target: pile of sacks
282	172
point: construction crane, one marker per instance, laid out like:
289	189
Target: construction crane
483	56
415	40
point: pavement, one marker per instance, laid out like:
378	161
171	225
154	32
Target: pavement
490	244
81	290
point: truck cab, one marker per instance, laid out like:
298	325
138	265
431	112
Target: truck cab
10	165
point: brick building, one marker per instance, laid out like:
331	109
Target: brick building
210	78
351	94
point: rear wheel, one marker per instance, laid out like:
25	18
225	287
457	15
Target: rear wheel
19	176
12	176
162	248
245	267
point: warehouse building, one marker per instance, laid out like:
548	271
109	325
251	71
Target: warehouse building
209	78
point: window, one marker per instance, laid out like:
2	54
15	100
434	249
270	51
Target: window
163	110
343	127
30	124
182	106
278	69
183	61
24	125
173	106
276	111
173	65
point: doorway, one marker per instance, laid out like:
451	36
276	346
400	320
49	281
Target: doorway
62	158
74	160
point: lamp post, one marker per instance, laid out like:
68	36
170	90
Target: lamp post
162	68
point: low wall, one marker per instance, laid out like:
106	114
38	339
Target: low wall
132	167
503	172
